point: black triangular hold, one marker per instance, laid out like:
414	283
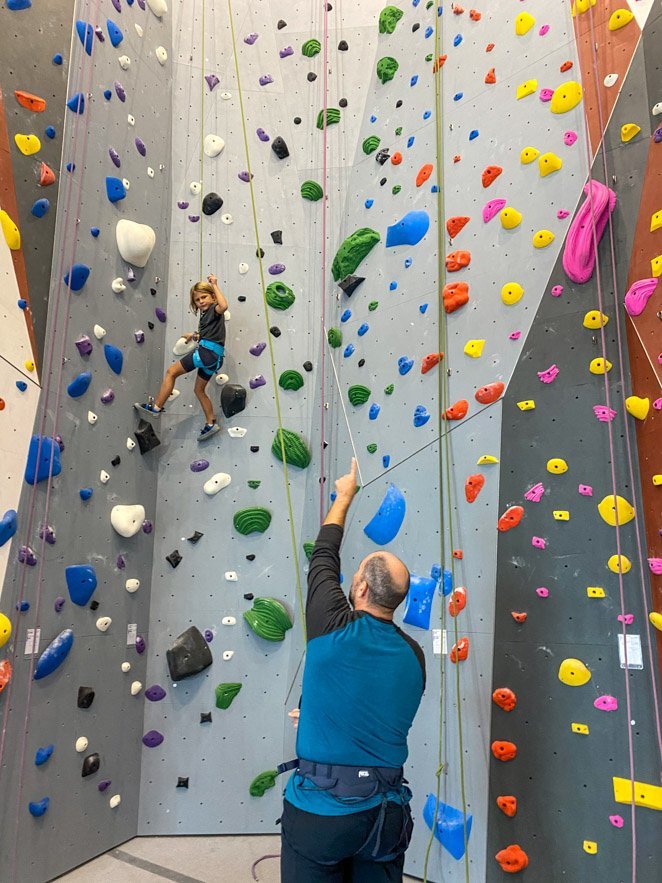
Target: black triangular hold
281	24
350	283
277	237
146	437
381	156
174	558
196	536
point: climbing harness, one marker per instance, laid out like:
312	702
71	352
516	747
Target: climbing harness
216	348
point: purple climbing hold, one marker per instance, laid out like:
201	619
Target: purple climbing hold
148	527
101	37
155	693
208	635
160	314
276	269
27	556
212	81
265	79
286	52
140	146
250	39
119	91
257	348
257	381
115	157
140	644
182	205
120	562
84	345
244	176
107	397
199	465
103	785
59	604
139	336
152	738
47	533
194	218
262	135
116	4
657	135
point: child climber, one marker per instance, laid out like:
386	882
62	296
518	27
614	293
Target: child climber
208	299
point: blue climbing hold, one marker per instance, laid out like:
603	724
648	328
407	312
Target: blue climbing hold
410	141
77	277
458	96
349	350
23	606
423	309
447	582
408	263
107	94
386	459
114	33
448	825
427	114
43	459
80	384
8	526
22	385
373	119
373	413
39	808
405	365
77	103
85	493
369	203
40	207
418	603
50	131
429	31
115	189
43	754
409	230
54	655
57	58
413	80
393	286
473	134
362	329
347	314
114	358
22	303
17	5
457	39
421	416
81	582
85	33
435	572
434	188
70	167
95	231
387	520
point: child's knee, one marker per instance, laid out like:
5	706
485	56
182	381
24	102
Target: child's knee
173	371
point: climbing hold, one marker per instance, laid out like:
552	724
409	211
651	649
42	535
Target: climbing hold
296	449
615	510
490	174
188	655
127	519
290	380
370	144
508	805
526	88
557	466
489	393
387	521
600	366
37	808
594	319
85	33
146	437
233	399
135	241
526	405
77	103
269	619
457	260
543	238
451	826
46	176
81	583
279	296
458	601
504	751
353	251
528	155
638	407
409	230
8	527
454	225
629	131
511	293
619	564
548	163
459	651
225	693
490	77
423	174
504	698
40	207
54	655
510	518
510	218
280	148
574	673
10	230
429	362
115	189
619	18
566	97
389	18
114	357
512	859
311	190
216	483
251	520
473	486
358	395
261	783
43	459
386	68
456	411
523	23
549	375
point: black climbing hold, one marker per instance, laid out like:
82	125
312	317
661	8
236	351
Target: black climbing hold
241	298
91	765
85	697
277	237
350	283
94	605
342	46
398	103
250	557
381	156
146	437
182	781
249	596
415	27
281	24
211	203
174	558
311	77
189	654
329	7
382	182
205	717
259	253
297	121
150	325
326	445
255	449
279	147
342	102
152	291
116	460
233	399
196	536
361	363
307	366
275	330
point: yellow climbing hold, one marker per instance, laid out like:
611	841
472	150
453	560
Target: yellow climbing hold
11	232
628	132
557	466
656	265
5	629
485	459
595	319
561	515
511	293
523	23
639	408
619	19
565	97
649	796
527	405
574	673
656	221
543	238
27	144
619	564
600	366
590	846
548	163
581	729
29	365
582	6
595	591
657	479
528	155
654	619
510	218
474	348
616	508
526	88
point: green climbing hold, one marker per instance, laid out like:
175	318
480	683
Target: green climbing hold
332	116
353	250
268	619
308	547
290	379
253	520
386	68
429	57
262	783
334	336
396	189
388	19
358	395
279	296
253	484
311	47
296	449
371	144
371	448
225	693
389	390
398	132
372	306
311	190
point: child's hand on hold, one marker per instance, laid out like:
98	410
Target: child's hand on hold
189	336
213	280
294	714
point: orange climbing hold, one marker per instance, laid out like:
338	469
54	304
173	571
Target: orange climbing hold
456	260
430	361
2	404
439	63
455	295
504	750
458	10
510	518
518	616
457	411
460	651
5	673
458	601
489	47
474	15
490	174
507	804
32	102
46	175
490	76
473	486
489	393
458	553
565	66
457	157
396	159
512	859
424	174
454	225
504	698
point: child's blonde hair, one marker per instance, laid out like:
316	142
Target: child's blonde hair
200	287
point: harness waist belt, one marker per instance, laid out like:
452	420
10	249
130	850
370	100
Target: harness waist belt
347	782
212	345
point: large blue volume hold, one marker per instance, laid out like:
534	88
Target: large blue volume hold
387	520
79	385
115	189
114	33
17	5
8	526
114	358
448	826
54	655
76	278
81	582
85	33
409	230
39	464
418	603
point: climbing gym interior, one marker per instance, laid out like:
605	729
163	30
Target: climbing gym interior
439	233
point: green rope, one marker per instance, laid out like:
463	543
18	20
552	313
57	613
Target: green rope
266	318
202	123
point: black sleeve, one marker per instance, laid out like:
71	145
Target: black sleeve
327	608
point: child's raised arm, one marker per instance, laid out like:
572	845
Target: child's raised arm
221	302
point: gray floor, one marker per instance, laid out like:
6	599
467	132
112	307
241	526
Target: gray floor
185	860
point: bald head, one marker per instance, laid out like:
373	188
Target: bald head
382	581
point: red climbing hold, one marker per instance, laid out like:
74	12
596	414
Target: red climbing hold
512	859
2	404
457	411
454	225
5	673
457	260
460	651
430	361
46	175
458	553
507	804
490	174
504	698
474	15
518	616
32	102
458	601
489	393
424	174
457	157
565	66
510	518
473	486
396	159
458	10
489	47
455	295
490	76
439	63
504	750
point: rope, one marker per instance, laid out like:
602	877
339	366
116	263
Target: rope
202	126
266	319
325	81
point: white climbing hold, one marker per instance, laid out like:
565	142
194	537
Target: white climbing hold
135	242
126	183
213	145
227	315
226	96
150	172
243	268
173	395
610	80
139	29
231	576
158	7
104	478
130	444
227	655
161	55
132	585
216	483
126	667
183	346
127	520
229	620
227	219
118	285
114	801
221	379
99	332
656	108
103	623
124	62
91	418
136	687
131	120
237	431
81	744
195	187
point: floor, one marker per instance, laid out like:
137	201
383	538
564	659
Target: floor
186	860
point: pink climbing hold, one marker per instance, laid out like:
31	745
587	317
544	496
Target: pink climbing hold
543	30
492	208
569	138
549	375
603	413
585	490
639	293
617	821
606	703
538	543
534	494
542	592
627	618
655	565
657	404
545	94
579	253
514	335
562	214
557	291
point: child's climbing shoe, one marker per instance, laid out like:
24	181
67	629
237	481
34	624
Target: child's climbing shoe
208	430
147	409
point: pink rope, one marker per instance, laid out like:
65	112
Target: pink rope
325	61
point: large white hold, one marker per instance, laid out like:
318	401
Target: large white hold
213	145
132	585
183	347
134	241
127	520
158	7
216	483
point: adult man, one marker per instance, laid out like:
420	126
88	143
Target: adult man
346	813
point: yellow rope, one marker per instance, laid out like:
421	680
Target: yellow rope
202	125
266	318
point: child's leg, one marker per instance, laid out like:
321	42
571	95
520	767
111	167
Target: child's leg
173	372
205	402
